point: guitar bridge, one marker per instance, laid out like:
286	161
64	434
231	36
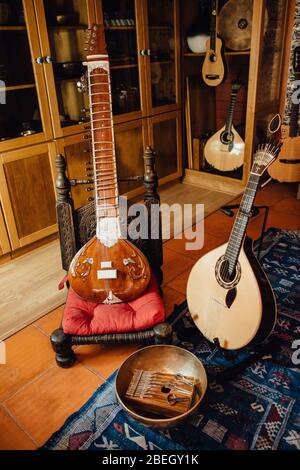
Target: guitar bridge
212	77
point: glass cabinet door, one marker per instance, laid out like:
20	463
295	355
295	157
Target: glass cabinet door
63	25
20	112
162	20
120	22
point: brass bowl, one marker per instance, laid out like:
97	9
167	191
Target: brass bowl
166	359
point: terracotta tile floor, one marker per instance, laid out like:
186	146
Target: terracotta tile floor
36	396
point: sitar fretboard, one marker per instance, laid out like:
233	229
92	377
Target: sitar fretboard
103	145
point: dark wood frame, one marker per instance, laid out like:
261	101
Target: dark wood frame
76	227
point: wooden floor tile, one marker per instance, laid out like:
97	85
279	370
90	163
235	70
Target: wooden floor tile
28	354
288	205
172	298
51	321
12	437
174	264
283	220
180	282
274	192
43	405
210	242
104	359
218	225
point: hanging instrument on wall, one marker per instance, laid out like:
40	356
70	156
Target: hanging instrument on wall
237	305
225	149
287	167
107	269
235	24
213	69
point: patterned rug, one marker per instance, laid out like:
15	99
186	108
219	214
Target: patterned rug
259	409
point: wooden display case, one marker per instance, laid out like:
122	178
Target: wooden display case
260	70
41	54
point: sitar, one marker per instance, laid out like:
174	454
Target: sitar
229	296
213	69
108	268
225	149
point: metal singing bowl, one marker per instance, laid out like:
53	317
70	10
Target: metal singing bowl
166	359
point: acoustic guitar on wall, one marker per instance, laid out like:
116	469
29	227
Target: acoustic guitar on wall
225	149
213	69
287	167
229	296
107	269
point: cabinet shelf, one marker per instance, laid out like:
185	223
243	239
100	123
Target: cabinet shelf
126	66
202	54
120	28
12	28
68	28
17	87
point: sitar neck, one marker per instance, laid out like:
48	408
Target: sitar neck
103	145
240	225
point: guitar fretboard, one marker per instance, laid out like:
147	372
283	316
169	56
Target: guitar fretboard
103	145
241	222
230	112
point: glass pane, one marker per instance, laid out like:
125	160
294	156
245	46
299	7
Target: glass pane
162	46
120	23
19	108
166	148
67	22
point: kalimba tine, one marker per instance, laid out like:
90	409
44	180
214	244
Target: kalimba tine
160	393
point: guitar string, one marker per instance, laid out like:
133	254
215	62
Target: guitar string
246	206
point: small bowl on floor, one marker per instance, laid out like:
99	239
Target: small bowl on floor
165	359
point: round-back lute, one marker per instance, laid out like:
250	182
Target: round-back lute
108	269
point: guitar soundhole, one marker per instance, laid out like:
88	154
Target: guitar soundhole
212	58
226	137
243	23
226	277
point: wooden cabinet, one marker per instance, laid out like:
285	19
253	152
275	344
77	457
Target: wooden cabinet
42	113
27	193
165	137
24	109
143	42
4	241
259	69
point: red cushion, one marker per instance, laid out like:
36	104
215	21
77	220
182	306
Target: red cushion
82	317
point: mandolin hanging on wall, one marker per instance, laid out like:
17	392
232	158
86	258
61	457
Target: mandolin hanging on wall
225	149
107	269
213	68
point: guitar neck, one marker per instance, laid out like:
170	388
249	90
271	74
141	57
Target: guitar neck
213	25
103	145
230	112
240	225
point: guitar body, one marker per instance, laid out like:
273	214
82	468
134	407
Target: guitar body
213	70
287	167
250	317
119	273
225	156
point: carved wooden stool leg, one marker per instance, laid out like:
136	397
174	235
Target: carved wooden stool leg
61	344
162	333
